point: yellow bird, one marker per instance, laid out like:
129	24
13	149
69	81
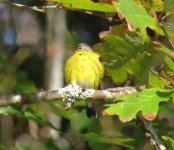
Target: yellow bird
84	68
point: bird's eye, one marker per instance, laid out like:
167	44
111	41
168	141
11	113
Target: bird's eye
79	48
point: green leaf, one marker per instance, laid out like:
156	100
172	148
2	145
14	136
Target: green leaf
157	5
137	16
19	146
24	85
9	110
100	138
146	101
39	119
169	63
164	49
126	56
50	144
86	5
119	76
81	122
169	142
156	81
61	111
168	27
120	45
164	77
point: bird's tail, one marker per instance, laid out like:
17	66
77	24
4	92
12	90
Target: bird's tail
90	110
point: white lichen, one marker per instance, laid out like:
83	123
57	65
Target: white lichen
16	98
162	147
130	91
73	92
40	94
87	94
107	94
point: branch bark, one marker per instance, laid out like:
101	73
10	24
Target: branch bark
150	133
69	93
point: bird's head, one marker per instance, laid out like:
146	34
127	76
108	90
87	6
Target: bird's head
83	46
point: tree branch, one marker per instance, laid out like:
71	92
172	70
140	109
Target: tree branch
68	94
150	133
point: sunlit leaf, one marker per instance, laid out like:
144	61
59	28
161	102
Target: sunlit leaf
86	5
156	81
169	63
137	16
146	101
165	49
9	110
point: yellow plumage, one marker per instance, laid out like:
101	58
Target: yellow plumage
84	68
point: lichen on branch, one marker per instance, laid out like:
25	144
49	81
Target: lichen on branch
69	94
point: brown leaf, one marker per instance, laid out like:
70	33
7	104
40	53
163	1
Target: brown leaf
149	116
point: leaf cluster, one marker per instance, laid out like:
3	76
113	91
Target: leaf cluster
138	51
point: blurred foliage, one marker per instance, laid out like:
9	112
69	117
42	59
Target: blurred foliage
14	80
169	141
137	50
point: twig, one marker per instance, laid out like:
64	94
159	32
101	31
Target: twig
150	133
41	9
56	6
110	19
171	43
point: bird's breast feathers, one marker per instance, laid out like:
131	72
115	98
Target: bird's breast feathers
84	68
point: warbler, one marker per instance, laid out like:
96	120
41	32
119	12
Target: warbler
84	68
